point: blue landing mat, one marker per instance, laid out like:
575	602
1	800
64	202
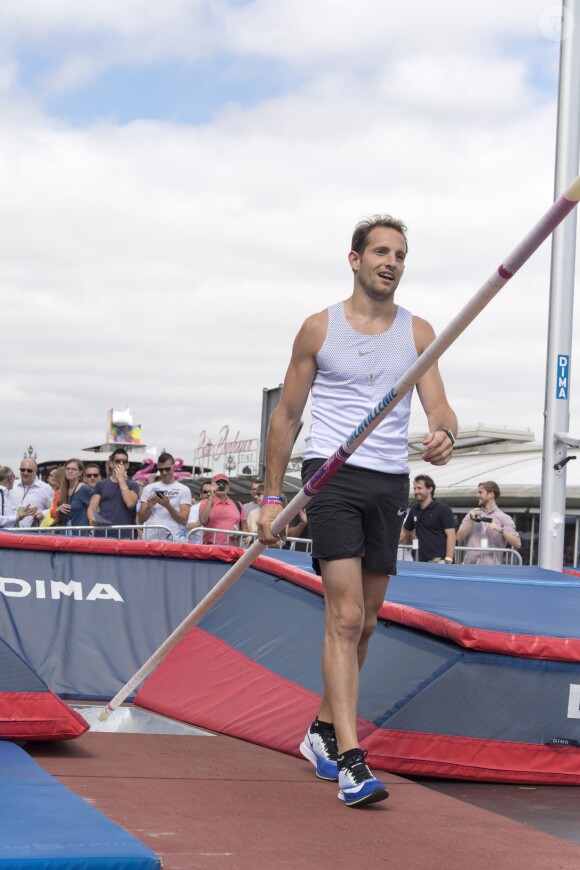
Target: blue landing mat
45	825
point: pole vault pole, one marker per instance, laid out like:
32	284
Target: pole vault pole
540	232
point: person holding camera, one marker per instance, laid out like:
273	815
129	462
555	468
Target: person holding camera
166	502
219	511
486	529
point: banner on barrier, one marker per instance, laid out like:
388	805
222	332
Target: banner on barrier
86	622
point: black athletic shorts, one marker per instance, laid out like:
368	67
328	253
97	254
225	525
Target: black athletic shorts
358	512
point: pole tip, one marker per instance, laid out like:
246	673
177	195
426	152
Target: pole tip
573	191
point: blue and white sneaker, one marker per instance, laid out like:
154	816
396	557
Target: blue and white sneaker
321	749
358	787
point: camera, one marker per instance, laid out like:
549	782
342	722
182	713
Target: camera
221	485
481	519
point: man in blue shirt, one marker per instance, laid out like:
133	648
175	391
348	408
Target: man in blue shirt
113	500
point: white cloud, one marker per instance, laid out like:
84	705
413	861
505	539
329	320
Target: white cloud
168	267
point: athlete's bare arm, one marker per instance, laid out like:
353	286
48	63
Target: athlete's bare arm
286	418
437	444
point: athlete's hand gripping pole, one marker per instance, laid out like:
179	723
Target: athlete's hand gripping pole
540	232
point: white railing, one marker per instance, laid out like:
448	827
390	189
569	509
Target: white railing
244	539
237	538
115	532
502	555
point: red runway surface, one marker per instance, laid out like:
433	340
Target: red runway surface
216	802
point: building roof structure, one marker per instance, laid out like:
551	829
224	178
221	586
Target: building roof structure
510	457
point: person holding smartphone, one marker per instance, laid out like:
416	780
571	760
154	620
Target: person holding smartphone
166	503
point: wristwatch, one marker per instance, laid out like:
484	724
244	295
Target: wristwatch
449	433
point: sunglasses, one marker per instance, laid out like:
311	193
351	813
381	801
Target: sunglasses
163	470
27	471
121	461
90	474
206	492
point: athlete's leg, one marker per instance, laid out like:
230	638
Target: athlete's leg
344	621
347	625
374	591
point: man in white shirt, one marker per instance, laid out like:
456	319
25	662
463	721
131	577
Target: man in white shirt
30	496
8	516
165	503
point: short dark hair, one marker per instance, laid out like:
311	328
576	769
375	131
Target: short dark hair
365	227
165	457
428	481
491	486
118	452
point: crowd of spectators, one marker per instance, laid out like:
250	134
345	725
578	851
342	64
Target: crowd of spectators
162	507
99	501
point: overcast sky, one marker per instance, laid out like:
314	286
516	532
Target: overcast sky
180	181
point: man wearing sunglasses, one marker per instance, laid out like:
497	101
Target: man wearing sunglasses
113	500
91	475
30	496
219	511
166	502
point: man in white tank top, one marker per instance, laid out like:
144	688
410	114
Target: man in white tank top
349	356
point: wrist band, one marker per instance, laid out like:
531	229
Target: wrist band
273	499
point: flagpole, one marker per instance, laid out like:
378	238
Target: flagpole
556	438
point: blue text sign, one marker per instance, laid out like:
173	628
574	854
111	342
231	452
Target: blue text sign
563	376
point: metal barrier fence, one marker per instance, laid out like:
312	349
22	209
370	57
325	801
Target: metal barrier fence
237	538
502	555
245	539
133	533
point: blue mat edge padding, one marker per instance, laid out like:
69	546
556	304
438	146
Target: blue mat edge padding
45	824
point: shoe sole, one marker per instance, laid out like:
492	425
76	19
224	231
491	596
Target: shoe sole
379	793
308	753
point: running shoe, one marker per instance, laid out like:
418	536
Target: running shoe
320	748
358	786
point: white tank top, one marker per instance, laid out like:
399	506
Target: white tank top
354	372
